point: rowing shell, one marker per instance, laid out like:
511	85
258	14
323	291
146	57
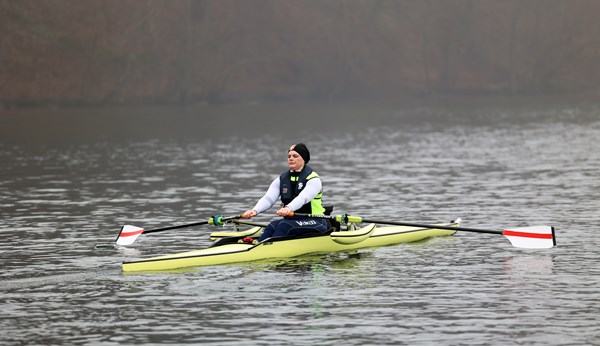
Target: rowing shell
228	249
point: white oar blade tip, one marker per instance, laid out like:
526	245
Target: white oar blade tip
128	235
535	237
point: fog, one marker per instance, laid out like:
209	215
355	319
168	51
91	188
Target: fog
111	52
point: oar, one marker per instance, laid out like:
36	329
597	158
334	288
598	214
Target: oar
129	233
534	237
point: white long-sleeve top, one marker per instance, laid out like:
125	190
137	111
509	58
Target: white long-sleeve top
311	190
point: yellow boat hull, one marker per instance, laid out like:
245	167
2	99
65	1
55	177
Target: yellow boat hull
285	248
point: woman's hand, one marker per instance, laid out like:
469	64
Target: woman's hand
249	214
285	211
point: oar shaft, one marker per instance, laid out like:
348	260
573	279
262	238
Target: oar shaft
176	227
209	221
410	224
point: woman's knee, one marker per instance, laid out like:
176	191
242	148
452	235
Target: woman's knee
267	232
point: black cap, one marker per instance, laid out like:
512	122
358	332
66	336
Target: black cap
302	150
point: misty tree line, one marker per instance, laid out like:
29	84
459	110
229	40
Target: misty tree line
133	51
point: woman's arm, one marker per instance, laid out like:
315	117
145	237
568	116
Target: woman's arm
269	199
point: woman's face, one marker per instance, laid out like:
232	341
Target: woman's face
295	161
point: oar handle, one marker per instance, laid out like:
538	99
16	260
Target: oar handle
343	218
318	216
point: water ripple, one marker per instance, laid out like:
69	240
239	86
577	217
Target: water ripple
470	289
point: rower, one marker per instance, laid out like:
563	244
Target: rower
300	190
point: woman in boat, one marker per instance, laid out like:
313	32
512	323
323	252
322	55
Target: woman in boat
300	190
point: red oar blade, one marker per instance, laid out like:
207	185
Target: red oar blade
535	237
129	234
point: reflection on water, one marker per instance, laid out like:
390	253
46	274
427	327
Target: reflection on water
525	266
63	202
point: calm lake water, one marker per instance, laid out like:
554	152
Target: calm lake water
71	178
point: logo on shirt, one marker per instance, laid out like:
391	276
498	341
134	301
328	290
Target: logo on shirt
300	186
